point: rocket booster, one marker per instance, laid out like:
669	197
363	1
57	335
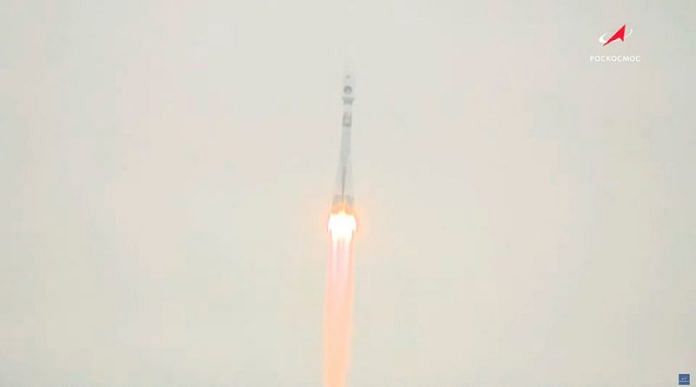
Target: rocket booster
343	194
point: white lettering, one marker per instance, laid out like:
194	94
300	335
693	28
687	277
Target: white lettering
615	58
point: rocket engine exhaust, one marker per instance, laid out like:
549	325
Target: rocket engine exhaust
339	287
338	313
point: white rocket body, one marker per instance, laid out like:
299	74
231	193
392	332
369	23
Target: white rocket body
343	195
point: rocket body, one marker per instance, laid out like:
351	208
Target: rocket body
343	194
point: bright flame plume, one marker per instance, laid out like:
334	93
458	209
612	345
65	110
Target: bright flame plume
339	300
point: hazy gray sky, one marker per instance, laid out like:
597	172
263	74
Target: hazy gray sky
527	218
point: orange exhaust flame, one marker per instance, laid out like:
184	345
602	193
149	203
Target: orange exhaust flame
339	300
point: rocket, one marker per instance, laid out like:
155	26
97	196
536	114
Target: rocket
342	225
343	193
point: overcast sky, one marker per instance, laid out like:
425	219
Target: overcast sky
527	217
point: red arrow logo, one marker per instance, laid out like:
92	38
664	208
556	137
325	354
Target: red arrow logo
620	34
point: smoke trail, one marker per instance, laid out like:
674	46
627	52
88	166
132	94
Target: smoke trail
338	310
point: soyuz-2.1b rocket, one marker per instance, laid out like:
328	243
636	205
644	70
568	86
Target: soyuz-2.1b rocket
339	284
342	222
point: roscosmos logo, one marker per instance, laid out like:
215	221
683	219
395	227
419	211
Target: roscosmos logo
619	34
606	38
